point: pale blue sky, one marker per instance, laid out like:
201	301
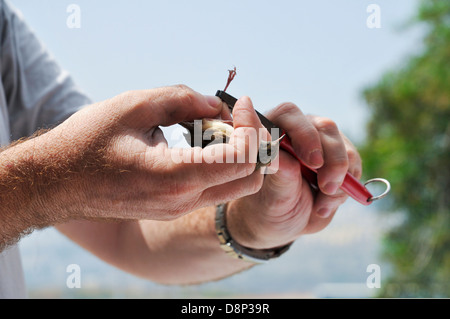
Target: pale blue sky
317	54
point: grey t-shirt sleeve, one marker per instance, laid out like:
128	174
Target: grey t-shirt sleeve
38	92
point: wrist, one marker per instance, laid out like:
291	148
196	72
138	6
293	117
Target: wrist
250	230
238	226
28	181
23	197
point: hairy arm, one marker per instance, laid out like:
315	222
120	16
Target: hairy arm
27	187
31	197
110	161
182	251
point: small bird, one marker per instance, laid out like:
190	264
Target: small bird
214	131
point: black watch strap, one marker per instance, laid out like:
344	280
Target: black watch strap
235	250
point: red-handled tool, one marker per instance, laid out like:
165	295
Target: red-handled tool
351	185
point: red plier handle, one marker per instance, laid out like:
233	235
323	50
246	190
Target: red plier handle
351	185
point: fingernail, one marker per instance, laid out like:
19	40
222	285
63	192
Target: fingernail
324	212
214	101
316	158
331	188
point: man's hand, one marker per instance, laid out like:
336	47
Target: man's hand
110	160
145	179
286	207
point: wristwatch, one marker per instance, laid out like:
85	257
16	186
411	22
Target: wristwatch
234	249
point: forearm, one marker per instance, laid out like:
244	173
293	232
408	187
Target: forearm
187	250
34	175
182	251
21	196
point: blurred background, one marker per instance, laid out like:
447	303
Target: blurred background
382	73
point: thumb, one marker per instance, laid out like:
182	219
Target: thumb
244	114
285	184
168	106
247	130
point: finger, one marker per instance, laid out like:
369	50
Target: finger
280	187
248	131
167	106
354	159
225	114
326	205
203	168
244	115
232	190
304	137
220	163
316	223
331	175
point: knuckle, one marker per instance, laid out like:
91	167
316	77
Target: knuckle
354	163
353	157
341	163
327	126
288	108
337	164
181	87
185	94
243	113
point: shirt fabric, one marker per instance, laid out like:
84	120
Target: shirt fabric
34	93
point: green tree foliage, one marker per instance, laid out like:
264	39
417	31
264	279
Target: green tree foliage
409	143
